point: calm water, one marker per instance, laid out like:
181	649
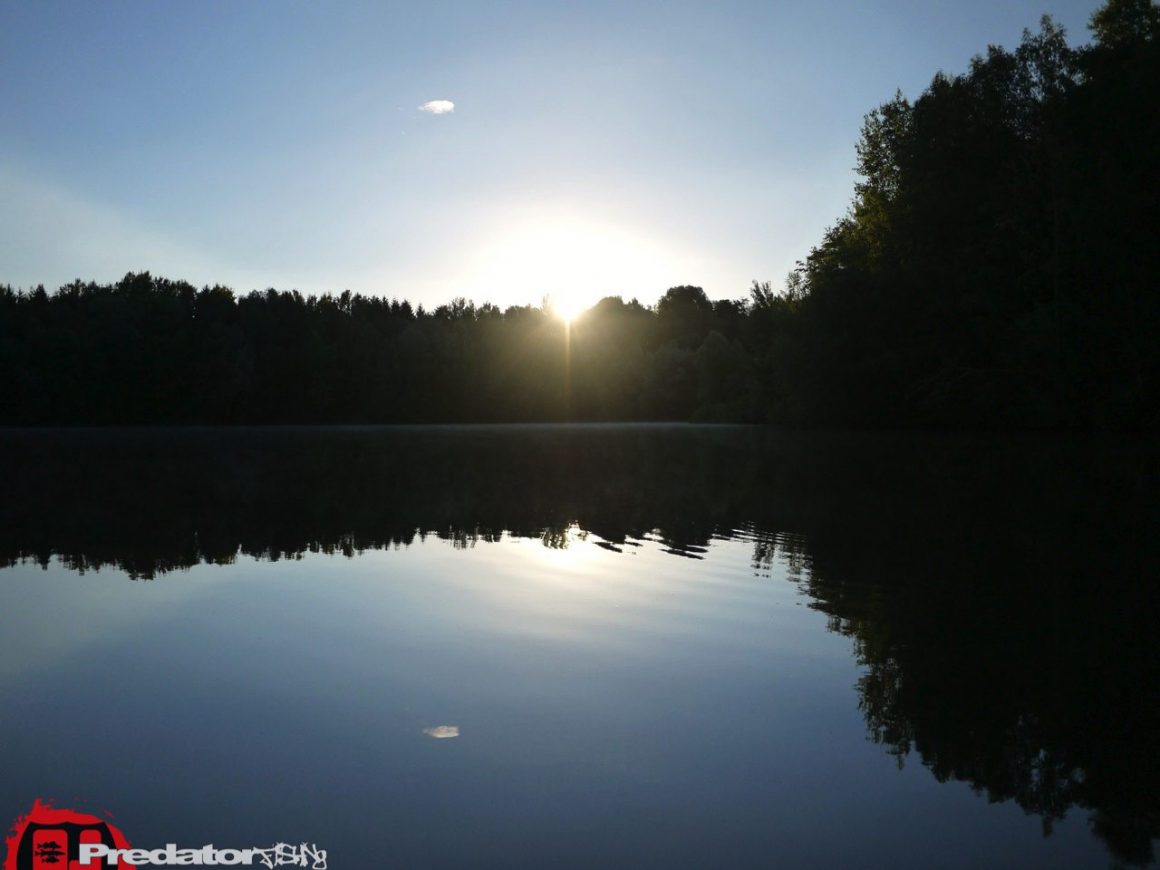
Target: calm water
587	646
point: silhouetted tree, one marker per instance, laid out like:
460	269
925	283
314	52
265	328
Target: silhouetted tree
997	267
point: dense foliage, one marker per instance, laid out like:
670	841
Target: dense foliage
998	266
996	269
149	350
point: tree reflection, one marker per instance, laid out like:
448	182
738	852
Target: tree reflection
1005	619
1001	597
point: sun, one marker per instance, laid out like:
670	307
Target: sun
569	306
570	260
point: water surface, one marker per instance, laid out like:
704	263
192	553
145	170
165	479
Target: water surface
586	646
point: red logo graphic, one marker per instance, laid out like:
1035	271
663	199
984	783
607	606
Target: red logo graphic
50	839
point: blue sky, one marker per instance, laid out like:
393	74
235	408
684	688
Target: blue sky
595	148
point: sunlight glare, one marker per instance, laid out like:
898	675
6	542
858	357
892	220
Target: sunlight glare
574	263
568	549
569	307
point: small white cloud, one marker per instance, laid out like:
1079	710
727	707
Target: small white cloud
438	107
442	732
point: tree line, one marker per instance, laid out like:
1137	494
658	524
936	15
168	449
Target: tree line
996	269
998	266
151	350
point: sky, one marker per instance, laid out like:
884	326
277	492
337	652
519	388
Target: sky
593	148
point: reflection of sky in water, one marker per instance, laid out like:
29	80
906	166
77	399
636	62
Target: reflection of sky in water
623	709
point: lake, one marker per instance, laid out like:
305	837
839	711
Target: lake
583	646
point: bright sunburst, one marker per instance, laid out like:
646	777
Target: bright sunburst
569	307
571	262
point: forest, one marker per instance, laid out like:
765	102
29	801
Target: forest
996	269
